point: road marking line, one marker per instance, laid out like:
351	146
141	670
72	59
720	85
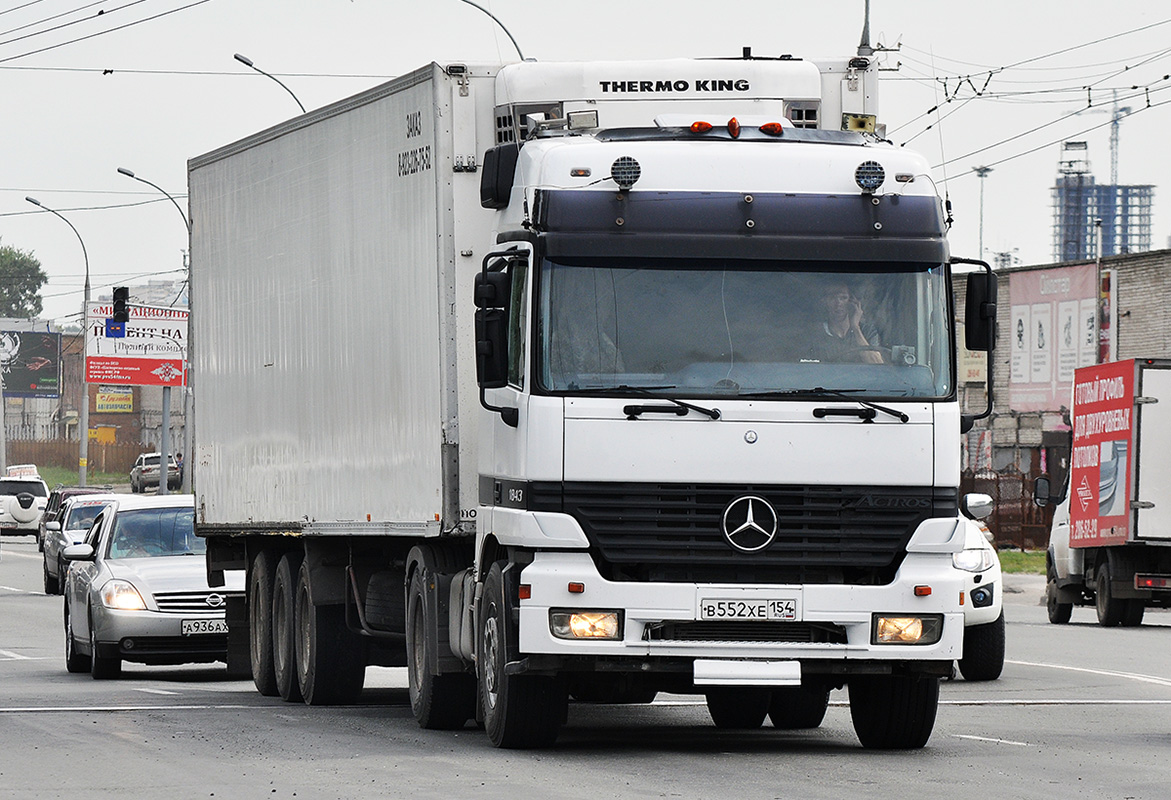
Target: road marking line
1134	676
1055	702
105	709
9	553
11	656
156	691
988	739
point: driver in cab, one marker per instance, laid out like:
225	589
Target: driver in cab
844	336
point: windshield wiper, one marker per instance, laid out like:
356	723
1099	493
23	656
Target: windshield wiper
632	411
819	391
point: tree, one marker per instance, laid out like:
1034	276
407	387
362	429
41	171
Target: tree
21	279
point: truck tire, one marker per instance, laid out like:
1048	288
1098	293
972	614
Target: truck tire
520	711
260	638
330	658
983	651
1132	614
75	662
893	712
798	707
439	702
737	708
284	665
1110	608
1059	613
101	667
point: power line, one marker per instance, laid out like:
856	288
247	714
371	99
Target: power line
198	72
17	8
89	208
50	19
64	25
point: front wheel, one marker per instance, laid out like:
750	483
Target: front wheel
520	711
101	667
983	651
1059	613
893	712
1110	608
52	585
75	662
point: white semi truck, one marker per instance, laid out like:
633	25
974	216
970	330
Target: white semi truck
1110	541
589	381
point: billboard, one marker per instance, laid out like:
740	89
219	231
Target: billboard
30	363
1053	331
152	353
1103	455
114	400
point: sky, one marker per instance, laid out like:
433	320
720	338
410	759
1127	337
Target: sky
149	84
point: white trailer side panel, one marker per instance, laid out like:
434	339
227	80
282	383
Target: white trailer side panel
317	275
1153	476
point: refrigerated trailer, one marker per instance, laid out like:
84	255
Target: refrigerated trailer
587	381
1110	540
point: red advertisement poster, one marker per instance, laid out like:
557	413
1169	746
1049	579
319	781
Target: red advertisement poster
1103	452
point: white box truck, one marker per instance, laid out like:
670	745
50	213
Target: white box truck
589	381
1110	541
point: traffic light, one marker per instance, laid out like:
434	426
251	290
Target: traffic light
121	304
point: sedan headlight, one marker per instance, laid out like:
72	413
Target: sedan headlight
122	595
979	559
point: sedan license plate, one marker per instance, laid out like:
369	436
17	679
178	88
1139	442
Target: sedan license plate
195	627
755	609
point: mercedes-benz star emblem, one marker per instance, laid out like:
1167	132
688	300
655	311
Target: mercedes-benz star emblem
750	523
215	600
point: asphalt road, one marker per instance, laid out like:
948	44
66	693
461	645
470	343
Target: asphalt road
1081	711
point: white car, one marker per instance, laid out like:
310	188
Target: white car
983	657
22	502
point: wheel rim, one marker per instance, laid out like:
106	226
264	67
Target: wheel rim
491	669
418	654
68	634
254	626
302	634
280	651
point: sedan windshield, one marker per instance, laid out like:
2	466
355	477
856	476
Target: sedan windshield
705	328
81	517
147	532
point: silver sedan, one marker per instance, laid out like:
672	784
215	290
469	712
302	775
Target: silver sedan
69	528
136	590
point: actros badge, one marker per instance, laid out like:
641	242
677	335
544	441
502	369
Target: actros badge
750	523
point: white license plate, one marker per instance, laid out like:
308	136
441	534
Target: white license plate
763	610
195	627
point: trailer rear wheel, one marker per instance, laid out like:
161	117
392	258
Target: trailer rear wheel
439	702
797	707
893	712
983	651
330	658
1110	608
260	638
520	711
283	660
738	708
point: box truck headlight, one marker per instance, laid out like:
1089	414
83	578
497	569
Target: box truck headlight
585	624
979	559
922	629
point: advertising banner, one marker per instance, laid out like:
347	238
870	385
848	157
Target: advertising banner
1053	332
114	400
152	353
30	363
1103	451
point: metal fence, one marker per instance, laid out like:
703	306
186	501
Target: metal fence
117	458
1016	521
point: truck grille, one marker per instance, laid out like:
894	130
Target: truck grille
672	532
187	602
800	632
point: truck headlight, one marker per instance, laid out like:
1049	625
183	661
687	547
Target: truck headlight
901	629
122	595
979	559
585	624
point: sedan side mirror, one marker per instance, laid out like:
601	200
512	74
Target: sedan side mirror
52	526
978	506
78	552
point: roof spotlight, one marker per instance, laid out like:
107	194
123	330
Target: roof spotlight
869	176
625	171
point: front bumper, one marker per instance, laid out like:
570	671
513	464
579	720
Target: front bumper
153	637
648	609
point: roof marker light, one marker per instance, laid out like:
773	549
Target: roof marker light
772	128
734	127
700	127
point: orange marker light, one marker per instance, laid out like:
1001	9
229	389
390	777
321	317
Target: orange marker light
734	127
576	588
772	128
961	598
701	127
525	591
922	591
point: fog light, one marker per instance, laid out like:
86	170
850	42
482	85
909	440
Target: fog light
585	624
982	597
925	629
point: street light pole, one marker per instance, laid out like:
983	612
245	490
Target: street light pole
83	412
246	61
981	173
165	433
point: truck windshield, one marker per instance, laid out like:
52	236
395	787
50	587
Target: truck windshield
714	329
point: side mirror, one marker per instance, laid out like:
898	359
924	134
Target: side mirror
52	526
980	312
977	506
492	348
78	552
1041	495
